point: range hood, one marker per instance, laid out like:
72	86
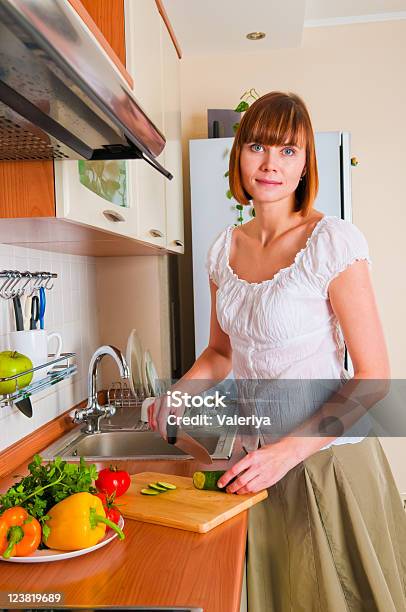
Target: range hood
61	97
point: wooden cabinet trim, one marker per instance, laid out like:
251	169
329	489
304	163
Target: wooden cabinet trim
89	21
169	27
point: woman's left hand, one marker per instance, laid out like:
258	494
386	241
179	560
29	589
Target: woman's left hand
261	469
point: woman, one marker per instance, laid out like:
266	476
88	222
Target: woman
287	288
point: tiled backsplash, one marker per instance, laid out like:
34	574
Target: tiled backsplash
72	311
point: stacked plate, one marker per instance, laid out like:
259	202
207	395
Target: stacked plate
144	379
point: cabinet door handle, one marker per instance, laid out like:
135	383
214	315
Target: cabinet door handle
112	215
178	243
156	233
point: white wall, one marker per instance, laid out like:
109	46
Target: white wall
72	311
133	293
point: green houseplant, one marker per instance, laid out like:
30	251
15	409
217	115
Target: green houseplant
246	99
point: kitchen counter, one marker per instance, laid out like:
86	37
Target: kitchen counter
154	565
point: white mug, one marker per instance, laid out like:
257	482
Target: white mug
34	344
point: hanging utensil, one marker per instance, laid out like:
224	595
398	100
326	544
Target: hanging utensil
18	313
27	312
42	305
34	312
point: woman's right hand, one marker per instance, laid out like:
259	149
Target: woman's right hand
154	411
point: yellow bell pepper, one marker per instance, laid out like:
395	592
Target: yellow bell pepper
78	521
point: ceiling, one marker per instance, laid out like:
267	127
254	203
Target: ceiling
220	26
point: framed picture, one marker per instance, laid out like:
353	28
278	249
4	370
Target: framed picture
106	178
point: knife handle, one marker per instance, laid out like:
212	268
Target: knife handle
18	313
171	431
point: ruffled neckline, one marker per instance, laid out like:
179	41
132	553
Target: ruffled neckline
280	273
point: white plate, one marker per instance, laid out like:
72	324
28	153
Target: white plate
42	556
152	375
134	362
147	388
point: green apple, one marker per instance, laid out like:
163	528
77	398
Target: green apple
12	363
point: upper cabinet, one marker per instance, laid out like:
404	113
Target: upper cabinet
127	199
144	61
108	16
173	148
154	63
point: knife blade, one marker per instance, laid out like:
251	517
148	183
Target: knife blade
187	444
24	405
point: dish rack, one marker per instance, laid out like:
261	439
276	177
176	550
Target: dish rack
120	395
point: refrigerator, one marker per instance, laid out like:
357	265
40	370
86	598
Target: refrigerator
212	211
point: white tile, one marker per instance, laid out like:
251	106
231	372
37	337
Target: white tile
76	307
45	410
17	426
72	311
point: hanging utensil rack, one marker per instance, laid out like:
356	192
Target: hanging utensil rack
18	283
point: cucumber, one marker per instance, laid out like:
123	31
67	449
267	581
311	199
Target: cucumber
167	485
149	492
208	480
157	487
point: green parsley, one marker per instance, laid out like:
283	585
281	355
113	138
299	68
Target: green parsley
48	484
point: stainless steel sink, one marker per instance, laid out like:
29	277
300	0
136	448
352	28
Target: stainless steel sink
125	436
133	443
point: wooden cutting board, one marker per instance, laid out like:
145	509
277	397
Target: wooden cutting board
184	508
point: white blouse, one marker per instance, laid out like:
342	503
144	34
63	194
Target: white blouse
285	327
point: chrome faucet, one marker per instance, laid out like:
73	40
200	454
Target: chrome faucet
94	412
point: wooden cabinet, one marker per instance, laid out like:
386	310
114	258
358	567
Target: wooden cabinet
154	62
108	15
76	202
144	61
26	189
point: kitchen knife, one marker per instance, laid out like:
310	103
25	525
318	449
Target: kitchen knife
24	406
187	444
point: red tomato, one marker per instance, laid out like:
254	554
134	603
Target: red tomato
113	515
103	498
110	509
110	480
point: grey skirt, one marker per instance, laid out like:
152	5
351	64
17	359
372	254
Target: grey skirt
331	536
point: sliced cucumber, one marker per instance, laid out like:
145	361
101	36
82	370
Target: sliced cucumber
167	485
157	487
149	492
